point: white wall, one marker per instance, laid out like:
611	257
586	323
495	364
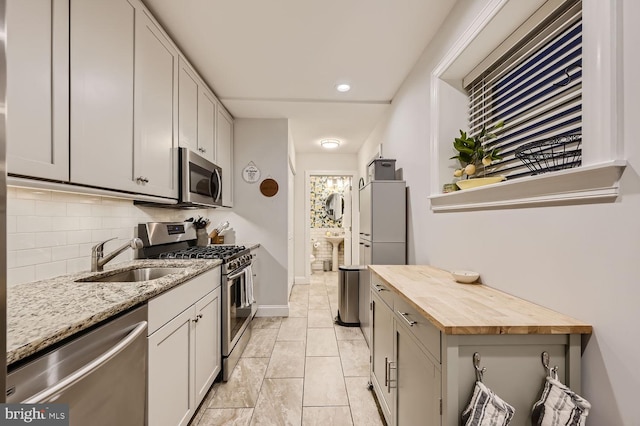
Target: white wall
582	260
318	162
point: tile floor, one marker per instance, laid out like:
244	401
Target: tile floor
300	370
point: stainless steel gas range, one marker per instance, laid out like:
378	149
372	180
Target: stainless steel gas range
177	240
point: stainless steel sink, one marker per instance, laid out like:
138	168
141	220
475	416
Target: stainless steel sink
133	275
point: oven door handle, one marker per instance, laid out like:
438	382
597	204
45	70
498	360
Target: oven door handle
236	275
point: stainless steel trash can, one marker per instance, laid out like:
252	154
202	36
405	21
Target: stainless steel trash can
348	289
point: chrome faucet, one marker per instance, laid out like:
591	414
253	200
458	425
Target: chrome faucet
98	259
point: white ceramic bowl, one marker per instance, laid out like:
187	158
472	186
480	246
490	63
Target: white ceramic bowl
465	277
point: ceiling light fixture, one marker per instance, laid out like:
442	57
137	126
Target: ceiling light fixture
343	87
330	143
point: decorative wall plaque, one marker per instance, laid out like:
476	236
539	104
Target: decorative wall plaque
251	173
269	187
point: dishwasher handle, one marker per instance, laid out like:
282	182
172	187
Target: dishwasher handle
90	367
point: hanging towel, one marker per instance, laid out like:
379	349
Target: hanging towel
559	405
486	408
248	280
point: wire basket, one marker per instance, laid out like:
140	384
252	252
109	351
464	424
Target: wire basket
553	154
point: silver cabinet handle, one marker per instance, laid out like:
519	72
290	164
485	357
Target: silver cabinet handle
403	315
386	371
142	179
379	289
389	384
89	368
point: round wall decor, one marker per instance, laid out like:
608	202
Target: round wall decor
269	187
251	173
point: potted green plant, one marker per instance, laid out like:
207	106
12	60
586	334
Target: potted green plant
474	155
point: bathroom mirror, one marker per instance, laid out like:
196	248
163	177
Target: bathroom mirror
334	206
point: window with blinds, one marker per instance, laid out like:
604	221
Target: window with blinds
535	88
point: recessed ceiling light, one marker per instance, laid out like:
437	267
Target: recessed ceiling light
343	87
330	143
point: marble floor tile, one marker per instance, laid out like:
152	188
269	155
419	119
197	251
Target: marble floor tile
324	382
354	355
323	416
225	416
279	403
298	310
287	360
266	322
241	391
364	410
348	333
317	290
260	343
320	318
318	302
321	342
293	328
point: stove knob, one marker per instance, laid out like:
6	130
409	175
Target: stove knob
233	264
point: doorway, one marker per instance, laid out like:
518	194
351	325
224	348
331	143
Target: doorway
329	212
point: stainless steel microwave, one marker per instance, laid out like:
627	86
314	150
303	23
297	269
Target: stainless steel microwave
200	181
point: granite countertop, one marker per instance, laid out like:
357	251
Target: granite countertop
42	313
456	308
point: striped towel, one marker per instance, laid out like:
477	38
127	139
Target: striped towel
559	405
486	409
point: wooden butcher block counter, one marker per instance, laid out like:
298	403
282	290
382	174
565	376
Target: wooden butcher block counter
426	328
456	308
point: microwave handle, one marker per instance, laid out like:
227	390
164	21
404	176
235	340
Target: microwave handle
217	173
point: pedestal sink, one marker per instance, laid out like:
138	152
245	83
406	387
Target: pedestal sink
335	240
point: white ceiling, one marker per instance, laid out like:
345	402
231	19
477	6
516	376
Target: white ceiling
283	58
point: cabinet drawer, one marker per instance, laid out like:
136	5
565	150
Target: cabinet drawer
168	305
380	288
426	333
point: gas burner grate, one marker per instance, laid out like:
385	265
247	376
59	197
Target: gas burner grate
209	252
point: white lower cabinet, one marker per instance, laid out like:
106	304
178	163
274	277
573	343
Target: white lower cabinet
382	354
184	349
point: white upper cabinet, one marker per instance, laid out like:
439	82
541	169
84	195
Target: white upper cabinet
156	105
123	97
188	106
206	124
102	93
197	113
38	88
224	158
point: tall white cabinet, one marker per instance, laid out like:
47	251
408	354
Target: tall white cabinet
38	88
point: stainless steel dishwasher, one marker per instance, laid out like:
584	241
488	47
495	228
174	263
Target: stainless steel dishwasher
102	374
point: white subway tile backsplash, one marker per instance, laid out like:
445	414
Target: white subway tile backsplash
33	194
78	265
33	224
69	197
32	256
78	209
90	223
21	241
65	252
12	224
50	239
98	235
77	237
51	208
65	223
21	208
49	270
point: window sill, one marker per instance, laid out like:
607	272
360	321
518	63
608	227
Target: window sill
586	184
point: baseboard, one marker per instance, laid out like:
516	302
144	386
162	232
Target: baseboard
301	280
273	311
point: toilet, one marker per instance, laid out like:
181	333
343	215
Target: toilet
314	244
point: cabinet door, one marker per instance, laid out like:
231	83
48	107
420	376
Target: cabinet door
382	354
208	352
171	353
187	107
206	124
418	383
224	145
156	67
38	88
102	93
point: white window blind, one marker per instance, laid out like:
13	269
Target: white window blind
536	90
